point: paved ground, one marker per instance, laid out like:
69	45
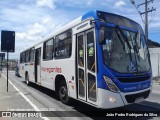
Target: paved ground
12	99
15	100
41	98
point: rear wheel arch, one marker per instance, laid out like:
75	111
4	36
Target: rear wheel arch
62	89
58	80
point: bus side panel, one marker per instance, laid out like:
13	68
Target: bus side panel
65	67
21	70
47	73
31	71
29	67
72	71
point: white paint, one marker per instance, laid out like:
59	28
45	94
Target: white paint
104	99
28	100
155	61
120	100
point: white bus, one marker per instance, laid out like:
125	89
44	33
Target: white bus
99	58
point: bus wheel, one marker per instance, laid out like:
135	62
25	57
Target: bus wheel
63	93
27	80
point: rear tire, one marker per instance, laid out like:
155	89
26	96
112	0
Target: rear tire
63	93
27	79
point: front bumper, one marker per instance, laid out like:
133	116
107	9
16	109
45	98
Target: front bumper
120	98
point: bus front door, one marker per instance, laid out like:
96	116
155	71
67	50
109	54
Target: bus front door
86	67
38	66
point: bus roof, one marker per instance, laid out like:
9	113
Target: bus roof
113	19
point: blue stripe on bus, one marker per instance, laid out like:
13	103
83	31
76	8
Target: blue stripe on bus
92	14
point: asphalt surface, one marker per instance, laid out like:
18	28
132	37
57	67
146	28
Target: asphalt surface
44	98
12	100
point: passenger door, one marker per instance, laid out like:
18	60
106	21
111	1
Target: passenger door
38	65
86	66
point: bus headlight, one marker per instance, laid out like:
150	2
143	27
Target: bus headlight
111	84
112	99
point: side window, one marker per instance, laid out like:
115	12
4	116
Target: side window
27	56
48	50
107	45
20	57
24	57
31	53
63	45
80	51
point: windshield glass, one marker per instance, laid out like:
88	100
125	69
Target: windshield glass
125	51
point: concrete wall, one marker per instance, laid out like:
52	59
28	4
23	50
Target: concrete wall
155	61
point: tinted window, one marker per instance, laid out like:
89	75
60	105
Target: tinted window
22	57
27	56
48	50
80	51
63	45
119	20
32	55
91	51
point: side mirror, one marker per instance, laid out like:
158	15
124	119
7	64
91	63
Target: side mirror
101	35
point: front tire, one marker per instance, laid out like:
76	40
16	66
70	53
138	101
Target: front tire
63	93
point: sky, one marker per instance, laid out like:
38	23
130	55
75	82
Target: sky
34	19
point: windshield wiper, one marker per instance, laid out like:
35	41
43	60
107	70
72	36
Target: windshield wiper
126	40
136	48
120	39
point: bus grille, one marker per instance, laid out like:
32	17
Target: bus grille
134	79
133	97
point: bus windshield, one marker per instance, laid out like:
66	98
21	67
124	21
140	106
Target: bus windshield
125	51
